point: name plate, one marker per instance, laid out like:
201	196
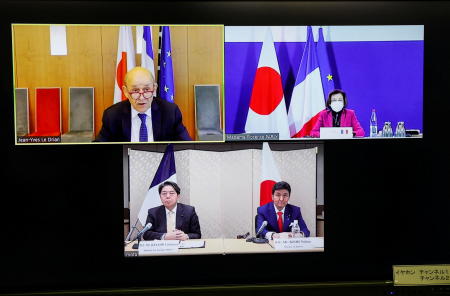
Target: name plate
301	243
158	247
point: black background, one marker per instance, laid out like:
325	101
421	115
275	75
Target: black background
386	201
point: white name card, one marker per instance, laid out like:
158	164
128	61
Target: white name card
301	243
158	247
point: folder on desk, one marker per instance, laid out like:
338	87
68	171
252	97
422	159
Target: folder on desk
191	244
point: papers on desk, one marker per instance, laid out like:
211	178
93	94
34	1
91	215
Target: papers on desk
190	244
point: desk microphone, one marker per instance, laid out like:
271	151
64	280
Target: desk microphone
257	240
261	228
140	233
147	227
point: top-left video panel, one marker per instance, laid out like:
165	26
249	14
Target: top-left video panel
118	83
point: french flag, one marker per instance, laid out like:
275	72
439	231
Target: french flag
165	172
269	175
126	60
147	60
267	110
307	97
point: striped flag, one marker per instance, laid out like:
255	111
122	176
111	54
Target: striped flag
147	59
166	82
267	110
307	97
165	172
324	65
269	175
126	60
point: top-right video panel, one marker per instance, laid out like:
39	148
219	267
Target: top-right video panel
323	82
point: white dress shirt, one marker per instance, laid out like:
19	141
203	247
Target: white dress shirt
269	233
136	125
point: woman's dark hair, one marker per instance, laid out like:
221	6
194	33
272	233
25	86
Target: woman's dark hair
169	183
281	185
333	92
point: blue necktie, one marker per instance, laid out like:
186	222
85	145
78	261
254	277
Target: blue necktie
143	136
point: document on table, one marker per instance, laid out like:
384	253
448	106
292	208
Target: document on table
190	244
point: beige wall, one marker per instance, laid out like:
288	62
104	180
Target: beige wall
91	61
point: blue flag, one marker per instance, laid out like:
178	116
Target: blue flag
165	172
166	167
166	82
324	64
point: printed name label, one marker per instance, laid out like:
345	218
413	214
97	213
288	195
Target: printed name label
298	243
158	247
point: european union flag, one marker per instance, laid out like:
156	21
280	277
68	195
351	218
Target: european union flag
324	64
166	82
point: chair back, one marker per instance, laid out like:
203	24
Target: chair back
22	111
207	109
81	109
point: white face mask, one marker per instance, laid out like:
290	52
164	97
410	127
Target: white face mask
337	106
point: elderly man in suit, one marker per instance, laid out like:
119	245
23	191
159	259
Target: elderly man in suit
143	117
172	220
279	214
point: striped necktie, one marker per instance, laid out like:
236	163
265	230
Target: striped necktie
143	135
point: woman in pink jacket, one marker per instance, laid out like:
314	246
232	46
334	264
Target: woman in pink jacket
336	115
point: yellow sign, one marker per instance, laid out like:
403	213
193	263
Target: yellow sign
417	275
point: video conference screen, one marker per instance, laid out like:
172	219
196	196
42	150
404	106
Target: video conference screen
211	83
235	201
92	83
260	85
215	136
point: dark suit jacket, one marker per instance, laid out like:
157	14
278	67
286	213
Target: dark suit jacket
186	221
166	121
291	213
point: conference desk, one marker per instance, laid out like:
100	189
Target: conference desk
223	246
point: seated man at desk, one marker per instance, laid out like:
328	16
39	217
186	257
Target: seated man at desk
142	117
172	220
279	214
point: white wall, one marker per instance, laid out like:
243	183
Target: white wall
330	33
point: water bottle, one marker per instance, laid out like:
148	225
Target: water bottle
295	230
373	124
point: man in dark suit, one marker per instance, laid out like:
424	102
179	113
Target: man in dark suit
172	220
142	118
279	214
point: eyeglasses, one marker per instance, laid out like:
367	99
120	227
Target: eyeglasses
281	196
171	193
337	100
146	92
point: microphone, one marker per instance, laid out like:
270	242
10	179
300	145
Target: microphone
140	233
257	240
261	228
147	227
